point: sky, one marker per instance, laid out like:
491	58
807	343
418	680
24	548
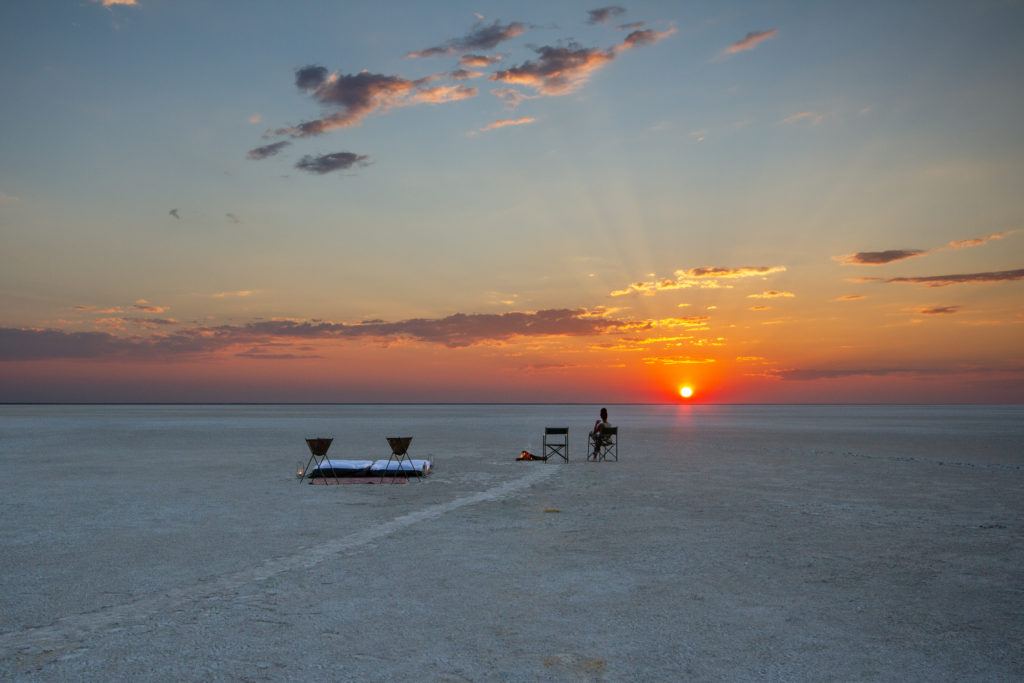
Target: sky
326	201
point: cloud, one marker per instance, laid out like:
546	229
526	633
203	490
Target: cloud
751	40
359	95
151	322
232	217
463	74
704	277
850	297
978	241
478	61
815	374
558	70
562	70
255	118
266	150
482	37
878	258
643	38
507	122
174	212
328	163
455	331
241	292
110	3
511	97
603	15
771	294
940	310
946	280
811	116
143	305
760	308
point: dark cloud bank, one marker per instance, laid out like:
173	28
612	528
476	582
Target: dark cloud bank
454	331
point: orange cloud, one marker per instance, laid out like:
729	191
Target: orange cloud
771	294
978	241
751	40
478	61
508	122
704	277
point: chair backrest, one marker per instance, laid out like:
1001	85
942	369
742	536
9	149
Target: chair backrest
399	444
609	431
556	430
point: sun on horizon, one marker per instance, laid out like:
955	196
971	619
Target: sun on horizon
686	392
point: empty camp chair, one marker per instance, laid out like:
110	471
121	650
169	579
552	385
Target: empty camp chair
399	452
607	447
556	442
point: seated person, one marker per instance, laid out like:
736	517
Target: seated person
596	432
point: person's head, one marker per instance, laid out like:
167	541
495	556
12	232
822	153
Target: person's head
604	414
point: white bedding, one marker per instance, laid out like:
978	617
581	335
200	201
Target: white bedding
373	466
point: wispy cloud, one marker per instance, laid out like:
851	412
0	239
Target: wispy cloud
267	150
328	163
750	41
878	258
947	280
465	74
240	292
809	116
512	97
110	3
482	37
603	15
478	61
771	294
705	277
850	297
508	122
939	310
978	241
143	305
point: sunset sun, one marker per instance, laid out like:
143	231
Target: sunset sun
686	392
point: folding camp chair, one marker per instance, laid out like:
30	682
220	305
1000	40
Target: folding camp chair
399	452
606	446
556	442
317	453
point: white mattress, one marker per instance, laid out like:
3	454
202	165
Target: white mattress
374	466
